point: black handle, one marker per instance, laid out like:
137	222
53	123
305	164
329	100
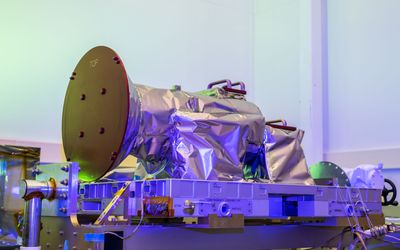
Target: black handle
385	193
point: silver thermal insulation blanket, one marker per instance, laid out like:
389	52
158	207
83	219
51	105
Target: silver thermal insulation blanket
208	135
285	157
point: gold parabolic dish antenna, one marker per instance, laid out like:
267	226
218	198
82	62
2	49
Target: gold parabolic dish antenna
95	114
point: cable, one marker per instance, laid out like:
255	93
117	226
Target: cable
371	225
361	236
346	205
356	229
377	232
353	228
141	216
361	240
393	237
339	246
365	210
387	241
374	232
353	214
355	242
115	234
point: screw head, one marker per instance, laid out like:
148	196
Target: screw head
36	171
81	134
83	97
63	209
116	59
103	91
64	182
113	155
102	130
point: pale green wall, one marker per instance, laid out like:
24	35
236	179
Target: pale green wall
364	75
194	42
277	59
284	75
161	42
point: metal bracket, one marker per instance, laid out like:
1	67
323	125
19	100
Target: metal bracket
113	204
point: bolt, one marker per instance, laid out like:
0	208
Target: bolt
74	73
36	171
75	233
61	232
101	130
47	245
116	59
63	209
113	156
81	134
103	91
83	97
60	246
74	247
72	78
65	168
64	182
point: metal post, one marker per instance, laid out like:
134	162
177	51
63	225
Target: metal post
33	192
99	245
31	233
3	177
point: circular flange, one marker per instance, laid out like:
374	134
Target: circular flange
328	170
95	114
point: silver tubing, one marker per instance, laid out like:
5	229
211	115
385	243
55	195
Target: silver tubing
31	232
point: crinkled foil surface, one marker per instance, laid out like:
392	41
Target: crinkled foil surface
285	157
209	136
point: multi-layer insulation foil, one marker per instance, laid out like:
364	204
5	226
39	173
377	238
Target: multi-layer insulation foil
197	136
